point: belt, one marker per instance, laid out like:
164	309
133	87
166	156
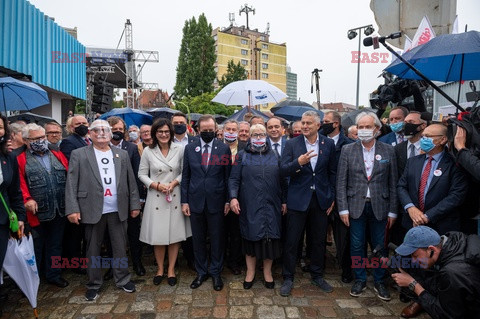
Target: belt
368	200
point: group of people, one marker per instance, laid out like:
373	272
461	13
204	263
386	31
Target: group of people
256	193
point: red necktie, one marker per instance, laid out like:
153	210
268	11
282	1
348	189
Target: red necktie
423	183
87	141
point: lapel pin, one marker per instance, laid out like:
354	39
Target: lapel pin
197	149
437	172
215	147
4	163
378	157
116	155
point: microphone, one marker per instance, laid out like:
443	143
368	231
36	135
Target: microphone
369	41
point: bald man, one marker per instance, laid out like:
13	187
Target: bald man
432	187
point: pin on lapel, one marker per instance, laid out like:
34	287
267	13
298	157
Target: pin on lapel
116	155
215	147
321	151
4	163
197	149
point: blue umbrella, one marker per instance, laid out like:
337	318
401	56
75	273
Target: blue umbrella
18	95
291	103
446	58
130	116
165	112
294	113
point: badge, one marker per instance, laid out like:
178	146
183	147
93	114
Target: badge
116	155
437	172
378	157
197	149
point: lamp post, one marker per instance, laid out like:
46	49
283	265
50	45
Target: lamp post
352	33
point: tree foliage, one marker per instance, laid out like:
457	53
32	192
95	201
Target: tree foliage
203	104
235	72
195	70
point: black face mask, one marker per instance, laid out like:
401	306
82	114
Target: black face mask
2	139
411	129
207	137
179	129
327	128
81	130
117	136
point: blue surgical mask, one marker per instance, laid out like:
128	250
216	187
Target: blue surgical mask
426	144
397	127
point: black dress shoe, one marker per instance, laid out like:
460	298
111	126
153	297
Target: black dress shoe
198	281
157	280
217	283
108	275
248	284
270	284
139	269
172	281
60	282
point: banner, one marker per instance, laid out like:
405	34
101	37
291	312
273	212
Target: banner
424	33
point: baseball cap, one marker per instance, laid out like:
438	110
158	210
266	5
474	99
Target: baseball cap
418	237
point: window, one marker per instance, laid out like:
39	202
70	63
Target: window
262	38
243	41
215	37
265	46
244	52
244	62
264	56
264	75
264	66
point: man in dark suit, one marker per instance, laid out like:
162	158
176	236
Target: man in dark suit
78	130
119	129
366	194
396	121
332	128
309	161
432	187
206	168
275	136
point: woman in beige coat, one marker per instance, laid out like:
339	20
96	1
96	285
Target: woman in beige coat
163	223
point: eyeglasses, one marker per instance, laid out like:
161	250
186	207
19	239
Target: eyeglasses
98	130
53	133
159	132
36	139
259	135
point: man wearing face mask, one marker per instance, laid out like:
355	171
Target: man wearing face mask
367	195
206	169
134	134
42	181
77	127
179	121
396	119
296	129
432	187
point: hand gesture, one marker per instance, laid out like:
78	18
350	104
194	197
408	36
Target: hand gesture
235	206
460	138
305	158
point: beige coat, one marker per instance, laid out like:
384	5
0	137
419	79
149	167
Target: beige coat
163	222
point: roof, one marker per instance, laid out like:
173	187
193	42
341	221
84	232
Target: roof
154	98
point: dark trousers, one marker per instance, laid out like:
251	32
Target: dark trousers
316	220
233	240
47	242
73	241
4	236
211	224
341	235
135	245
94	234
187	248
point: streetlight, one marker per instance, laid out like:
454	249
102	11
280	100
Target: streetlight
351	34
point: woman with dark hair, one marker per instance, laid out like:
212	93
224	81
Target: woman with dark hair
163	223
10	189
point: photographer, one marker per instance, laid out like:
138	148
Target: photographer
454	263
468	159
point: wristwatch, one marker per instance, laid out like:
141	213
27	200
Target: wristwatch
412	285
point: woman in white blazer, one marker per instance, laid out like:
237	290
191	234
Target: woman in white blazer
163	223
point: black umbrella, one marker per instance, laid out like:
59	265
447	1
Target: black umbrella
31	118
289	103
349	118
164	112
219	118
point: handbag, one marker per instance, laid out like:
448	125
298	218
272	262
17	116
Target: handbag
12	216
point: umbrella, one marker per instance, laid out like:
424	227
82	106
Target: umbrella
31	118
165	112
194	116
348	119
294	113
18	95
130	116
290	103
446	58
219	118
249	92
21	266
238	116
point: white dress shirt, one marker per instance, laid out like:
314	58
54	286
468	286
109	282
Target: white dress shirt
279	147
312	147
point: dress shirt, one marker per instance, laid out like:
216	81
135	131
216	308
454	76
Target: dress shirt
183	141
43	159
210	145
312	147
279	147
399	137
335	138
417	148
119	145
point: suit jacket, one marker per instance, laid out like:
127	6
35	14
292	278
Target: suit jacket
303	178
71	143
352	181
84	189
10	189
390	139
445	193
282	145
205	185
134	155
342	141
401	154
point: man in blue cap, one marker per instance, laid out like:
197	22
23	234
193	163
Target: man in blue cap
453	288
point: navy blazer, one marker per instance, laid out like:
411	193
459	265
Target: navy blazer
302	178
134	155
445	193
205	185
10	189
282	145
70	143
390	139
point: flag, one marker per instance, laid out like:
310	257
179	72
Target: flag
455	26
424	33
408	43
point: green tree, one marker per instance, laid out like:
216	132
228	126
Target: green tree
235	72
203	104
195	70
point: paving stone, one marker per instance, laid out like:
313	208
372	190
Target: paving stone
309	312
64	311
147	316
121	308
97	309
241	293
238	301
182	299
298	301
262	301
79	300
270	312
359	311
292	312
280	301
220	312
143	306
207	302
108	298
379	311
328	312
235	285
164	305
198	312
348	303
163	315
241	312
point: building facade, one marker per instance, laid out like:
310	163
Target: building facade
291	84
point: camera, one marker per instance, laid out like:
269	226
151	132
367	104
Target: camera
471	123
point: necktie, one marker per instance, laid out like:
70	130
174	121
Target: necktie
400	138
275	150
412	151
87	141
205	155
423	183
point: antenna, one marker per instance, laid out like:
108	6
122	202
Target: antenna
231	17
246	9
267	31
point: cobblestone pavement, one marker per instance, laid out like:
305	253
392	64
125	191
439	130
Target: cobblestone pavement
163	301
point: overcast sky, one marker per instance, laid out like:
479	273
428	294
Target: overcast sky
315	33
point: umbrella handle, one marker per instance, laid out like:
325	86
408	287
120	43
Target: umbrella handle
35	313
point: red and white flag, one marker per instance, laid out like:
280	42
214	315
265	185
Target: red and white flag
424	33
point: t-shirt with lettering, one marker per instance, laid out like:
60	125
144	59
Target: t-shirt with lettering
106	168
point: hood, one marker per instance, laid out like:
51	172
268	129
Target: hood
455	245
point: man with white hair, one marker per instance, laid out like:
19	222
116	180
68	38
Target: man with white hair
102	200
42	180
367	195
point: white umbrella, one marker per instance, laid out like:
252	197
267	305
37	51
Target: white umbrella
249	92
21	265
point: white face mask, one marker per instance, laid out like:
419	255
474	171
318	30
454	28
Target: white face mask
366	135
